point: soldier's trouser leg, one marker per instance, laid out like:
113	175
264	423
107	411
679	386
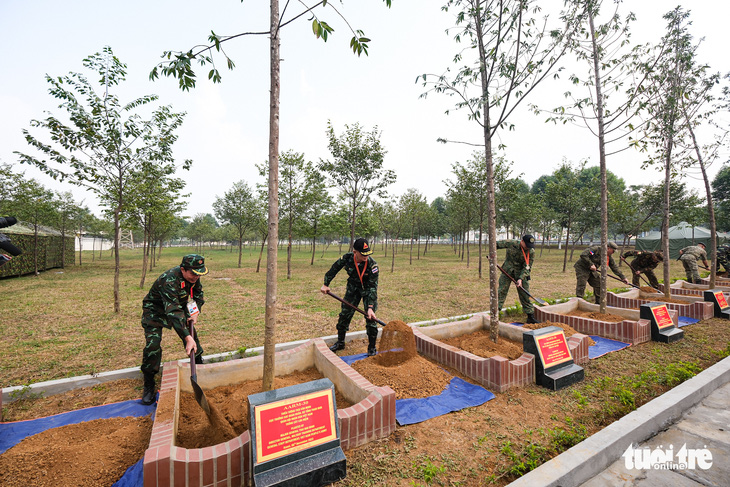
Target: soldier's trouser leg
152	353
594	279
525	302
653	281
346	313
504	283
581	278
635	279
690	269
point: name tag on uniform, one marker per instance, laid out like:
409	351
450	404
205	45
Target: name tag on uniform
193	308
527	267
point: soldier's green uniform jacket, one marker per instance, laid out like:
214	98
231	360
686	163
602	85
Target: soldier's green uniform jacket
694	251
166	303
368	288
514	262
645	260
592	256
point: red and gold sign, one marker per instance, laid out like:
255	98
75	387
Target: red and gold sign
721	301
294	424
661	316
553	348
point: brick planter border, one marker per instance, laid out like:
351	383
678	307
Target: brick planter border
229	463
700	310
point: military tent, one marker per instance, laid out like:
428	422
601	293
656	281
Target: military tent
680	236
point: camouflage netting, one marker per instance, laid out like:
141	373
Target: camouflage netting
50	250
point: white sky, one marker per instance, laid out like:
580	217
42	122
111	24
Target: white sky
226	130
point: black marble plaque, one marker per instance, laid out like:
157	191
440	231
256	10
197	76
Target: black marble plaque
295	436
663	328
721	307
554	366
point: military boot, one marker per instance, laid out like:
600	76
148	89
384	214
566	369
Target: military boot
371	345
531	319
199	360
150	389
340	343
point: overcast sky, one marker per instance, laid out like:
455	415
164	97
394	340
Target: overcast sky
226	129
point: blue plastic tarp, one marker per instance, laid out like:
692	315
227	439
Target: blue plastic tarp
13	433
686	320
459	394
604	346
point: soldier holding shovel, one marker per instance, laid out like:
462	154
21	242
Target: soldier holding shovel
644	262
586	268
517	265
362	284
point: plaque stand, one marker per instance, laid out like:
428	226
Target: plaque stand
554	366
721	307
295	436
663	328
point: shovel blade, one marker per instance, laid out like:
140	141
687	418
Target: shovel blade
200	397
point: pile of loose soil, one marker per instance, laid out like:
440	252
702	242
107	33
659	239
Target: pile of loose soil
91	453
231	418
480	344
417	377
568	330
397	344
648	289
595	315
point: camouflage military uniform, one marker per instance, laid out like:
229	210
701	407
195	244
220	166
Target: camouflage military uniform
367	290
584	274
723	257
518	267
644	262
166	306
689	256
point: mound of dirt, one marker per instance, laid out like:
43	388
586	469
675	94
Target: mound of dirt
648	289
481	345
231	417
87	454
665	300
397	344
417	377
568	330
595	315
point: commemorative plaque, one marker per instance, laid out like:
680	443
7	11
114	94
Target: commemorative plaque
554	366
721	307
295	436
663	328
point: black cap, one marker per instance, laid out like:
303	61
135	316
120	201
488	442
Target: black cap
529	241
361	245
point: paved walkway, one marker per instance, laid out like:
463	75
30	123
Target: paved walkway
694	415
705	427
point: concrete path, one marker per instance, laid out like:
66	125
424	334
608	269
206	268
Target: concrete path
689	426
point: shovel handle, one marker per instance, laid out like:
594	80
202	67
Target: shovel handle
520	288
614	277
354	307
193	373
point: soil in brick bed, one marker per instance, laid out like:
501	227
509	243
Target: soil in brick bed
481	345
89	454
231	417
567	329
595	315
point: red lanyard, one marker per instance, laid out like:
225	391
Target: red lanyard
360	274
526	256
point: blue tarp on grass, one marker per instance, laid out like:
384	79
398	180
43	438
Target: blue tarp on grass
604	346
459	394
13	433
686	320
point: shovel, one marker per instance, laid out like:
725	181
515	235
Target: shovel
199	396
641	276
520	288
354	307
614	277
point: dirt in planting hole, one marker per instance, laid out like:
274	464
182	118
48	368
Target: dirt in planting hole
481	345
196	430
89	454
595	315
662	299
568	330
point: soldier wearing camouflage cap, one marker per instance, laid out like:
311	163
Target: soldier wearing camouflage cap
518	263
586	269
174	300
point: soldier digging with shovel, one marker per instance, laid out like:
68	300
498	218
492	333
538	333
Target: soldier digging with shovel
362	283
